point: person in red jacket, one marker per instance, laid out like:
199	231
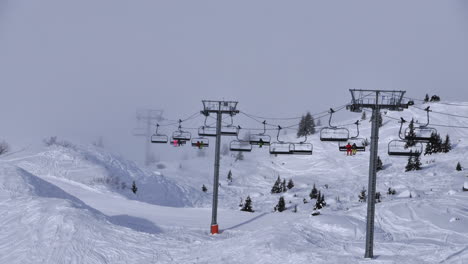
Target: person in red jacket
349	149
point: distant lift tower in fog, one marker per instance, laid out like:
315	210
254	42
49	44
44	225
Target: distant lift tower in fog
376	100
145	119
220	108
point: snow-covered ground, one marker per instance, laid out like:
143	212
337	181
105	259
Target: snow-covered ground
73	204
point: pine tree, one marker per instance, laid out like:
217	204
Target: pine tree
459	167
426	99
281	206
363	116
304	200
229	176
362	195
410	165
301	129
134	188
306	126
417	163
283	186
309	124
411	135
277	186
313	193
379	164
204	189
247	205
320	203
446	146
290	184
391	191
435	98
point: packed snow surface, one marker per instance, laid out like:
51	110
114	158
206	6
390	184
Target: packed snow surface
73	204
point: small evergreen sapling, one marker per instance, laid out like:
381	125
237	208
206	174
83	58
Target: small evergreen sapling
446	146
426	98
204	189
290	184
277	186
362	196
229	177
313	193
459	167
320	203
410	142
391	191
283	186
379	164
281	206
377	197
247	205
304	201
134	187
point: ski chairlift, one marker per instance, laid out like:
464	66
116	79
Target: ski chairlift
158	138
333	133
240	145
200	142
422	133
399	147
260	139
230	130
281	147
181	135
360	142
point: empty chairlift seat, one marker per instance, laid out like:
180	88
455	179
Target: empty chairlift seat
422	134
207	131
399	148
334	134
181	135
240	145
281	148
302	148
229	130
158	138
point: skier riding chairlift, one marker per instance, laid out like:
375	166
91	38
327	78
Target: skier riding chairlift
349	150
354	148
260	143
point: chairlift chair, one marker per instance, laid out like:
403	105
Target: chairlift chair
422	133
200	142
333	133
261	139
398	148
158	138
207	131
302	148
240	145
229	130
181	135
360	142
281	147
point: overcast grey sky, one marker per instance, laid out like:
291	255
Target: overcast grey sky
79	69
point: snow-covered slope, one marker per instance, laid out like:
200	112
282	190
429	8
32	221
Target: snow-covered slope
96	168
52	195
